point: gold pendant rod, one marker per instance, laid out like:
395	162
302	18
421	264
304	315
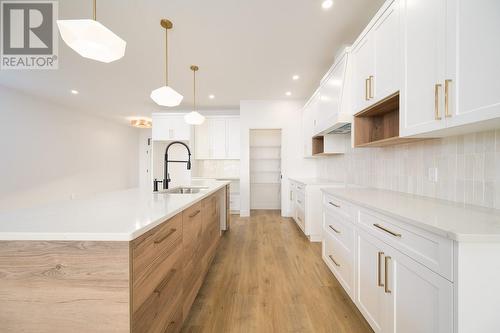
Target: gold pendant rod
95	10
194	68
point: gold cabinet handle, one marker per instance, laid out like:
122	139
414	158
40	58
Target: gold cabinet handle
370	85
333	260
386	287
379	280
334	205
436	101
331	227
300	202
447	113
291	196
367	83
395	234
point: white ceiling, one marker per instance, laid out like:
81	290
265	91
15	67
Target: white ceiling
246	49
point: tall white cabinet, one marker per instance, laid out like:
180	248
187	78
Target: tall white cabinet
218	138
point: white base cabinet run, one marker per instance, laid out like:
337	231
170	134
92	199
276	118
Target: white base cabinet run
407	279
305	205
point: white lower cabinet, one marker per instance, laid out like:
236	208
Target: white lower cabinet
370	297
419	300
395	293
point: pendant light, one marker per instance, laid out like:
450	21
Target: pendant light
166	96
91	39
193	117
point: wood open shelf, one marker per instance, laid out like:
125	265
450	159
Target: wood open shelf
378	126
328	144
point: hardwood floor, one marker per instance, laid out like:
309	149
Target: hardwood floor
267	277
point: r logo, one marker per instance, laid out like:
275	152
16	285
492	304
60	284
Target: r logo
27	28
28	34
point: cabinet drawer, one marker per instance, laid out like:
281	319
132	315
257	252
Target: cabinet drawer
300	218
158	299
340	262
301	200
341	207
432	251
155	245
341	229
191	224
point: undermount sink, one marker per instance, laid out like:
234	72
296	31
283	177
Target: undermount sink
186	190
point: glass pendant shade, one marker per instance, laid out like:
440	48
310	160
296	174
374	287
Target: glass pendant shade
194	118
166	96
92	40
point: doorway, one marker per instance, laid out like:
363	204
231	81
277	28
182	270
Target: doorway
265	169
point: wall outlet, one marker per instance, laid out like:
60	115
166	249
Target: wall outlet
433	175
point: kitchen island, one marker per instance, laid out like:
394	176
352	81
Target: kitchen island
129	261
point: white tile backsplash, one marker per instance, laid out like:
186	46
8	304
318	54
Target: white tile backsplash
216	168
468	168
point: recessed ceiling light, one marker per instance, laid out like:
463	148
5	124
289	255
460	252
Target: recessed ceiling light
295	77
288	93
327	4
211	96
74	92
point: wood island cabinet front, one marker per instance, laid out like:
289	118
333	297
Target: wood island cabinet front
169	264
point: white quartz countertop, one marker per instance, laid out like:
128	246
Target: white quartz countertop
113	216
458	222
317	181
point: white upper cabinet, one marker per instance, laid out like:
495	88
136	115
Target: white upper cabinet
218	138
472	61
451	73
364	68
309	120
202	141
233	138
168	126
376	61
385	33
423	35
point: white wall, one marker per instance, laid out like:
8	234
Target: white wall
50	153
284	115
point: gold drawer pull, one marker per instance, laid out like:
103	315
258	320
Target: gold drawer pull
386	287
331	227
165	281
395	234
446	98
158	241
333	260
334	205
436	101
194	214
370	90
379	280
367	84
300	202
